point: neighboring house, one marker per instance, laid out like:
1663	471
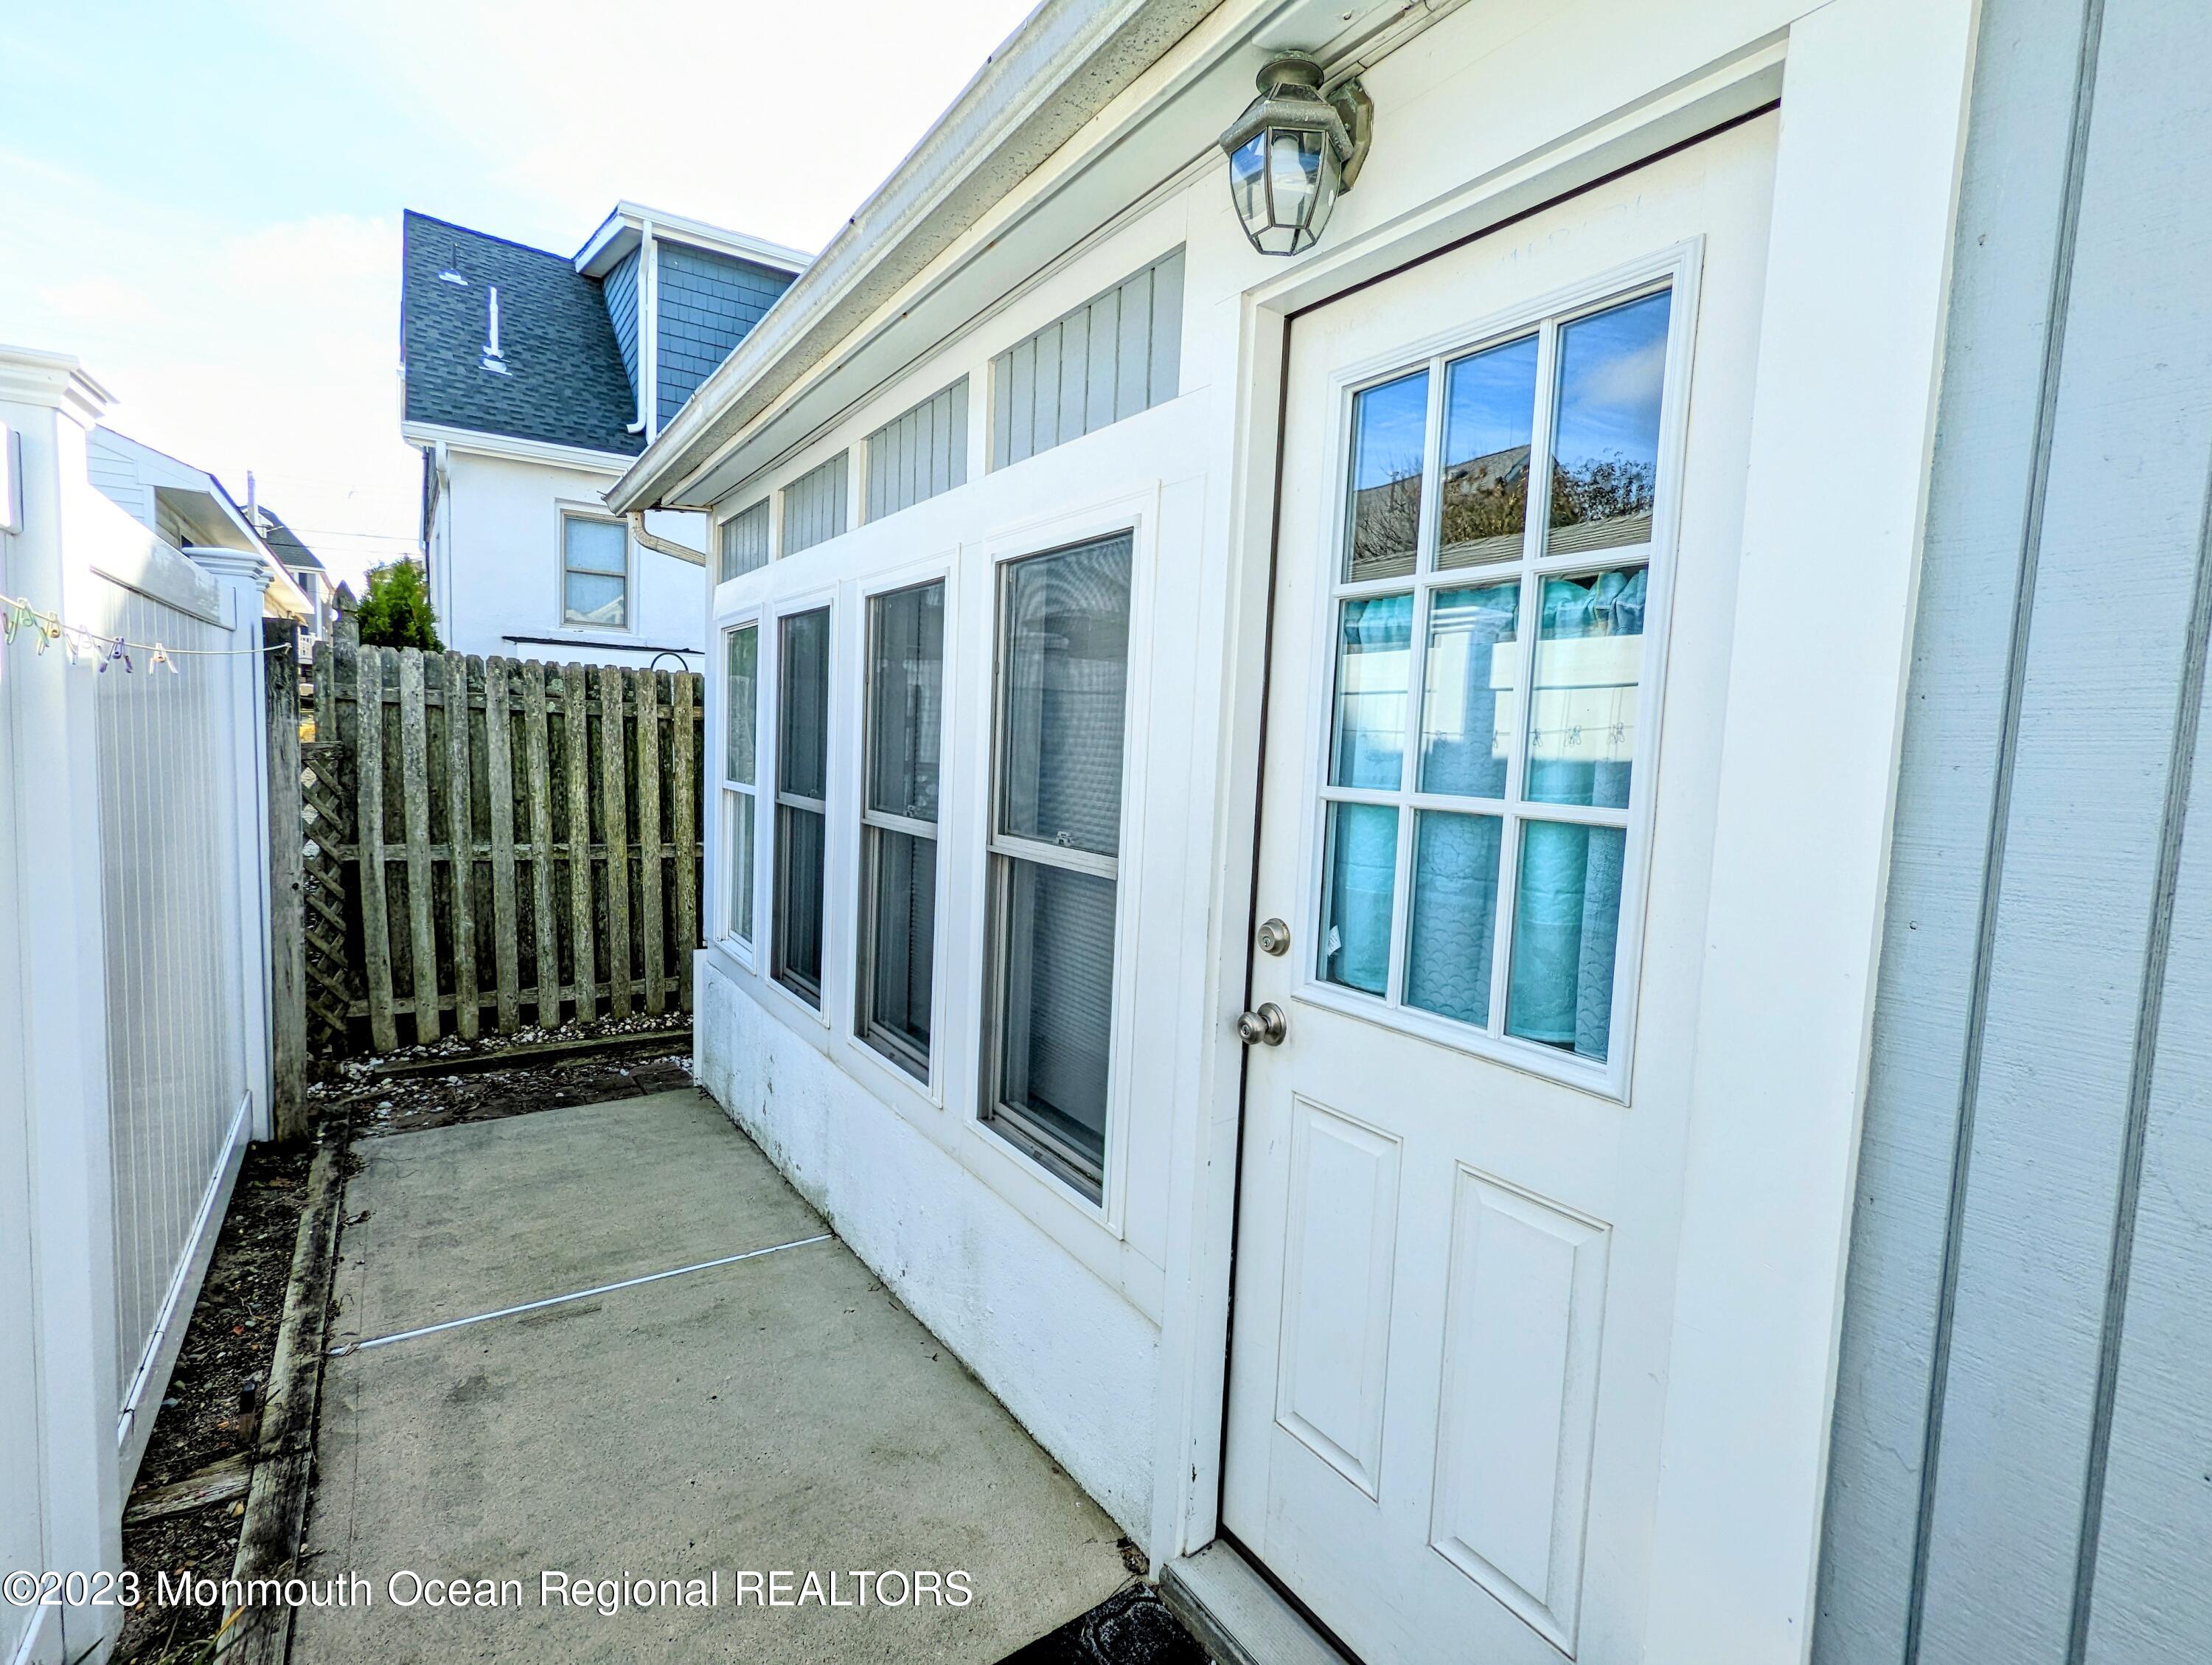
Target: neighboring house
1461	930
188	508
323	594
532	380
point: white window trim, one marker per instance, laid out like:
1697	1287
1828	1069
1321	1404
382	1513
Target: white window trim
742	950
567	509
1676	268
1137	515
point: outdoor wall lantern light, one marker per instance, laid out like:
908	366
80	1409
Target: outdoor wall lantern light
1292	151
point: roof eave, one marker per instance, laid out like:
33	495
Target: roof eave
1063	66
624	230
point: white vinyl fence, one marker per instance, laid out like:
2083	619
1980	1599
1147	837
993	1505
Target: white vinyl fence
134	1053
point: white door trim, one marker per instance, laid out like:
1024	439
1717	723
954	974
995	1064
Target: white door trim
1850	352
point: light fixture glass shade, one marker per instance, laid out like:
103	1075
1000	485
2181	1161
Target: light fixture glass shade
1282	182
1290	156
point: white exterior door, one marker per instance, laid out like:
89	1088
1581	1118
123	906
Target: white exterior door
1509	527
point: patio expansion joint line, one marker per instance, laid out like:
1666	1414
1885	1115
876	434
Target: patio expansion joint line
344	1348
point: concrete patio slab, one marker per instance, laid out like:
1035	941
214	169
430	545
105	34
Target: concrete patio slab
781	1415
468	1218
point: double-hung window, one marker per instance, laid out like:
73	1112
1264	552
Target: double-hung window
898	824
1054	847
594	572
802	795
740	778
1490	666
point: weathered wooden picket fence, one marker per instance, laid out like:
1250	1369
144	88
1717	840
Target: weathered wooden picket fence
491	842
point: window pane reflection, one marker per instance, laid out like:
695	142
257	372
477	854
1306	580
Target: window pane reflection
1589	657
1389	446
1471	705
1374	663
1490	403
1605	447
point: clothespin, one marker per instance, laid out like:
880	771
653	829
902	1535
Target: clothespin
162	657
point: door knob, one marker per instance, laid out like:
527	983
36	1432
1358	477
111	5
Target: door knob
1263	1028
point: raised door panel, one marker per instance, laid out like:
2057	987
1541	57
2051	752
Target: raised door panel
1337	1286
1523	1326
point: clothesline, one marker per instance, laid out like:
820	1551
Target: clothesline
82	645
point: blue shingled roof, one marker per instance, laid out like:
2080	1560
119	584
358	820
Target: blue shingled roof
564	381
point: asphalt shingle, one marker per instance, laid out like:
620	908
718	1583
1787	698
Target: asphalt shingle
564	384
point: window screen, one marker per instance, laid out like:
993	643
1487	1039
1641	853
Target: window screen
1055	843
740	808
898	824
802	792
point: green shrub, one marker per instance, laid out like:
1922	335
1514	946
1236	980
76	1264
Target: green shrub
396	612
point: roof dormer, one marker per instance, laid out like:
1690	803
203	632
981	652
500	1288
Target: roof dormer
681	295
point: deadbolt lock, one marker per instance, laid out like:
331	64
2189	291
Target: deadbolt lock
1274	938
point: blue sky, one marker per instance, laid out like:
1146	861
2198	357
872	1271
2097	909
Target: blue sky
203	199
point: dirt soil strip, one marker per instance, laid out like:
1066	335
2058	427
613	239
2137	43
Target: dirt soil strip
208	1420
660	1041
276	1506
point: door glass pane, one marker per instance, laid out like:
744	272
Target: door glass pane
799	835
1064	691
1566	929
1605	445
903	931
1374	658
1359	872
1590	659
1455	915
1389	443
596	546
741	703
596	598
1058	996
1490	411
737	813
906	678
1471	707
803	729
